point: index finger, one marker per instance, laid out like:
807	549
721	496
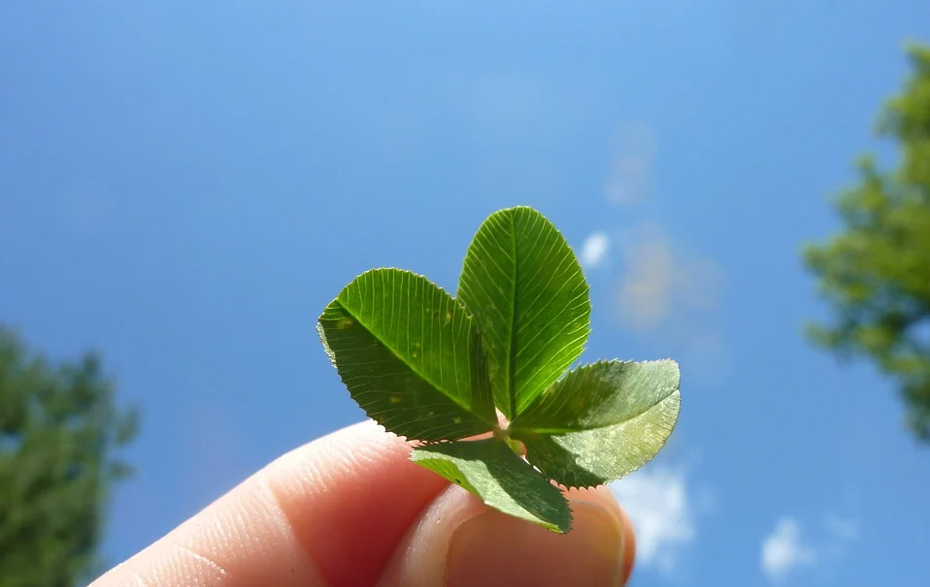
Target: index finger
328	513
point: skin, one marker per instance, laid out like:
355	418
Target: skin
350	509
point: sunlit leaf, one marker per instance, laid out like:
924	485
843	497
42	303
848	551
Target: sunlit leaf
524	286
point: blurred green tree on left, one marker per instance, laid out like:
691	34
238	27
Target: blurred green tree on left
59	432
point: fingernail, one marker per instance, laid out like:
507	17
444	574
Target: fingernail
496	549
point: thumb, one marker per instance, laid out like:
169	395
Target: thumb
460	542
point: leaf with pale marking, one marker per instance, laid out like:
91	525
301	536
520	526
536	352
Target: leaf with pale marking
493	472
524	286
601	421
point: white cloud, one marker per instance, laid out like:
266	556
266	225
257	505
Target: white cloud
669	292
841	530
672	294
657	501
783	551
507	102
646	294
661	279
594	250
840	533
786	551
632	153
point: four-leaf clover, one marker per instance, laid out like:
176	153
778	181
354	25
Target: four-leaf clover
440	370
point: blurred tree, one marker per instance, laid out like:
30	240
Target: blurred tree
59	429
876	273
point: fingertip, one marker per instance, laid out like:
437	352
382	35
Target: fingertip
603	496
350	497
459	541
629	546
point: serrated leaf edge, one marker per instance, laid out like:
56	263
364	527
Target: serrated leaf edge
515	423
677	392
588	329
646	462
332	357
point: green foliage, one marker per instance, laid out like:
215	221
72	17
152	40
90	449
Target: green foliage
58	430
433	368
876	273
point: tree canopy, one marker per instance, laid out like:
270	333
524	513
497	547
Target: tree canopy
59	430
875	274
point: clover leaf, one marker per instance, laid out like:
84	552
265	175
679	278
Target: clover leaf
440	370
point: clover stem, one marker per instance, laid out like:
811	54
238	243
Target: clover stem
502	433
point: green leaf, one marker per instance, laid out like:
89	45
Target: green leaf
490	470
601	421
524	286
433	368
410	356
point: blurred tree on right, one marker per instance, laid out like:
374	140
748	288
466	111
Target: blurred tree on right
875	274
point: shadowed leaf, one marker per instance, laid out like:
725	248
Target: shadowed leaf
409	355
490	470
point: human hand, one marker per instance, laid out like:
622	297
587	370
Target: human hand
351	509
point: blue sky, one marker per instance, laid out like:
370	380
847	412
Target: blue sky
185	187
